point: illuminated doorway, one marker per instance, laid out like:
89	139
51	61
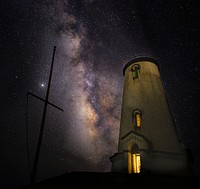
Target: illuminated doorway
134	160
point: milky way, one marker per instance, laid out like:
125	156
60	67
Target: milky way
91	93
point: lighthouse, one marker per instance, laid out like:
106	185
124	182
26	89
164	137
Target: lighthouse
148	140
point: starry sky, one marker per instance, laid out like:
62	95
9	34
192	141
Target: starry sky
94	39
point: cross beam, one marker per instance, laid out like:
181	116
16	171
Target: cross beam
46	102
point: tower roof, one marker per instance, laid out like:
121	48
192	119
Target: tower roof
140	58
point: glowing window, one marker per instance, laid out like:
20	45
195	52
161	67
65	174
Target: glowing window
135	71
130	164
134	163
137	118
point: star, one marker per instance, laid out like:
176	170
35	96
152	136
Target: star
42	85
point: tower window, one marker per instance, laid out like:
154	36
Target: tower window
137	118
135	71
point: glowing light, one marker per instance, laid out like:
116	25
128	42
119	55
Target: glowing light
138	121
42	85
134	163
129	163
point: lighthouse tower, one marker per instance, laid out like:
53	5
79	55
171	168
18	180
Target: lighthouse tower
148	141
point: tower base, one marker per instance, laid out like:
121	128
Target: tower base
154	162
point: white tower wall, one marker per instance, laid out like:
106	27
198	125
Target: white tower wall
155	140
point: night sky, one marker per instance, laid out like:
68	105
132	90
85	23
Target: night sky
94	39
